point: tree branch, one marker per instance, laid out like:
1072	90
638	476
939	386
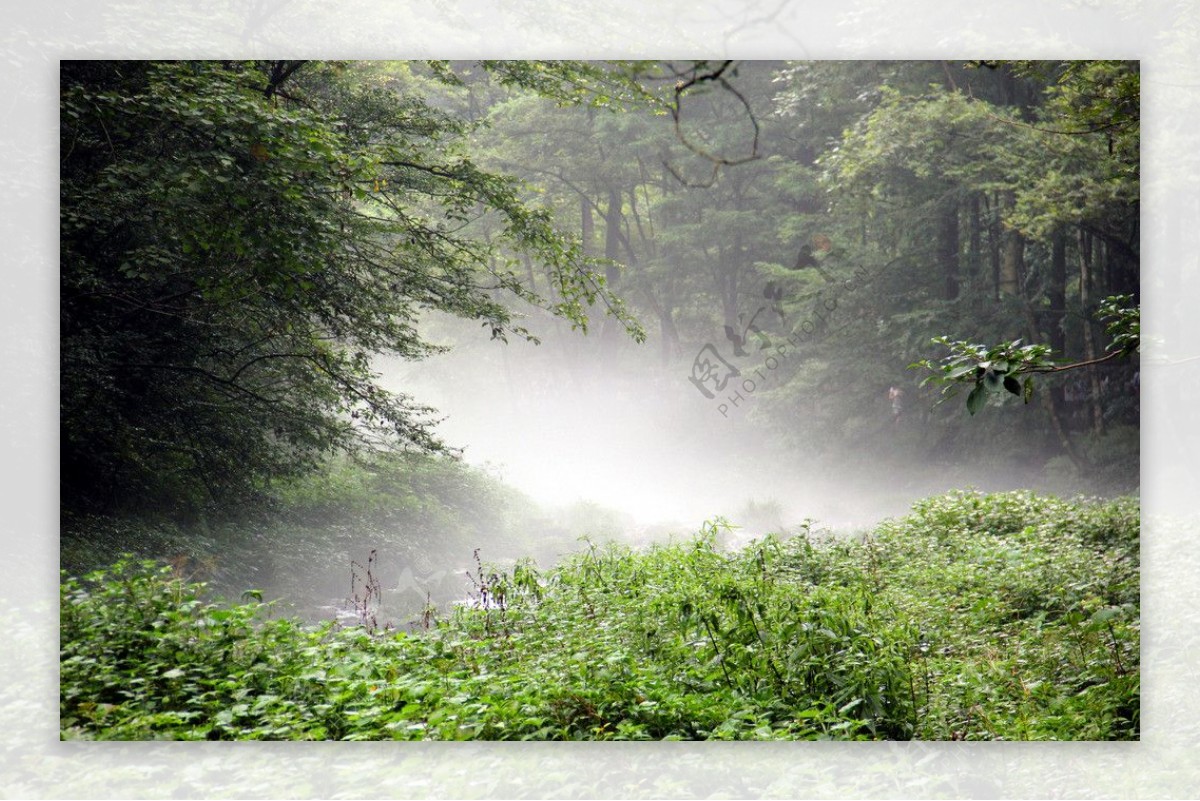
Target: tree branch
280	72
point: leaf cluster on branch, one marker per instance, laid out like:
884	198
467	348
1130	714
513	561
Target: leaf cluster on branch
1010	366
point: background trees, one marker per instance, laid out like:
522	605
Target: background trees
240	240
990	201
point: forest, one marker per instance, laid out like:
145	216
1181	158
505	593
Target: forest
599	400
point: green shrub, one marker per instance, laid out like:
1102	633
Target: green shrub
1005	616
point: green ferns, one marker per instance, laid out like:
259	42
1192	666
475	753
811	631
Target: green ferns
1006	616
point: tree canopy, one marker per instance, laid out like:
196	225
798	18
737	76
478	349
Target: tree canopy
238	240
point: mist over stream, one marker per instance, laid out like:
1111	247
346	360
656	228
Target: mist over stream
576	442
622	450
636	437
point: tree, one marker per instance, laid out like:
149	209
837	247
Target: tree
238	241
997	200
1076	179
680	204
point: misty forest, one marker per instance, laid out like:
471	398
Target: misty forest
569	400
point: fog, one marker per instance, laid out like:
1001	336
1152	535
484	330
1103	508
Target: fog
605	441
634	436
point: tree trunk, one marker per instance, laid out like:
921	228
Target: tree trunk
585	224
612	237
1089	338
994	237
1056	292
728	278
1012	261
612	272
1064	439
948	248
669	334
974	237
1052	402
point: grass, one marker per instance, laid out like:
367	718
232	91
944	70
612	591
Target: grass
976	617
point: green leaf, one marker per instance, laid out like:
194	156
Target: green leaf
958	372
1012	385
847	707
977	399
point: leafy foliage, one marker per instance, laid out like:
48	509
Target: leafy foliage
1124	324
1009	367
992	369
1006	616
239	239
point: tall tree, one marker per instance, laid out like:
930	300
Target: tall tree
238	240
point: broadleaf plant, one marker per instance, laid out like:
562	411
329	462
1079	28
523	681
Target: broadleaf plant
1010	366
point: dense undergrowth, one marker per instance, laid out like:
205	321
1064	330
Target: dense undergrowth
1008	616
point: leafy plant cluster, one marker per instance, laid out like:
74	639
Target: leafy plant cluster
1010	366
1008	616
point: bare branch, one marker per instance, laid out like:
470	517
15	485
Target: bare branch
676	108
